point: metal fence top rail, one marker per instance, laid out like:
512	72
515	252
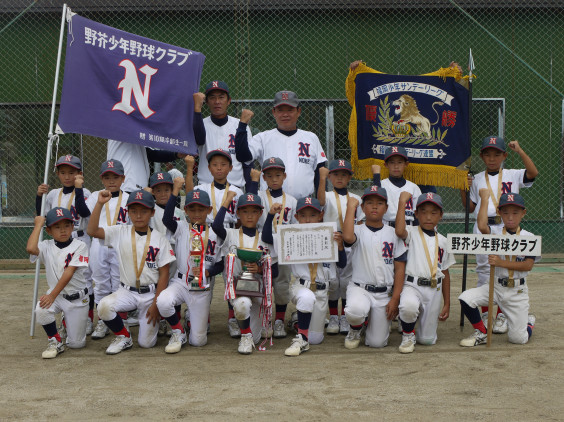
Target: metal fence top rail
17	6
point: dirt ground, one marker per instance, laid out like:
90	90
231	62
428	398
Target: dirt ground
440	382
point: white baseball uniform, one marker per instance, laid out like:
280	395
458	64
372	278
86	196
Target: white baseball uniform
221	137
104	261
393	200
372	256
300	152
512	181
513	300
56	260
217	198
331	213
316	302
159	254
423	302
180	290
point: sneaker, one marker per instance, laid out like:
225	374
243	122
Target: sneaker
475	339
298	346
407	343
234	330
89	326
133	318
333	326
344	325
500	324
531	320
177	340
246	344
100	331
55	347
485	319
279	331
264	334
163	327
62	331
120	343
352	340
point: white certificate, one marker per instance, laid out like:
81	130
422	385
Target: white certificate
307	243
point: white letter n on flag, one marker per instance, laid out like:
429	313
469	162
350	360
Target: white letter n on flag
130	85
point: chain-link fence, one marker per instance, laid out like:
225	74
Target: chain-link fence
262	46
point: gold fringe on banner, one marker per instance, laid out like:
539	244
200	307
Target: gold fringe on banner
421	174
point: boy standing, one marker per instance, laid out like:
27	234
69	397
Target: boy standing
426	272
144	256
378	261
511	291
65	260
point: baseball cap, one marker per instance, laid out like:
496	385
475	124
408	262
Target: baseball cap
335	165
391	151
221	152
216	86
197	197
511	199
493	142
57	214
249	199
375	190
160	177
112	166
141	197
308	202
286	98
273	163
69	160
431	197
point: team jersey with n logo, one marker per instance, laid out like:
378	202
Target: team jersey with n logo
289	209
52	201
417	264
512	180
122	216
157	221
394	193
231	215
56	260
158	255
372	255
301	153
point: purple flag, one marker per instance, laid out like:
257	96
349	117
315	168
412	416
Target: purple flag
125	87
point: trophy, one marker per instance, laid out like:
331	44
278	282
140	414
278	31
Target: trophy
196	258
247	283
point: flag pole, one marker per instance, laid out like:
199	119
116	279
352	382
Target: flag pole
47	160
467	207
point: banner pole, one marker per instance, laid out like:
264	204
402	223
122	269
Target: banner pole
467	207
47	160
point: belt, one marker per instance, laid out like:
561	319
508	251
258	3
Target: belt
425	281
509	282
407	223
318	285
494	220
80	233
76	295
372	288
142	289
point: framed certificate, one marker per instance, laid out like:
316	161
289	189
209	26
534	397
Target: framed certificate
307	243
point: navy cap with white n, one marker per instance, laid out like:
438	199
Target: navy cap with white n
57	214
112	166
69	160
161	177
511	199
141	197
216	86
273	163
308	202
493	142
430	197
199	197
375	190
286	98
249	199
399	151
335	165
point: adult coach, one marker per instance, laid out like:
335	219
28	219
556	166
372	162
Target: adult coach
300	150
135	159
217	131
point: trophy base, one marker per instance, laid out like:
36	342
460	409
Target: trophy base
248	287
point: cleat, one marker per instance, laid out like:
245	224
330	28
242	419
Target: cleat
246	344
344	325
119	344
352	340
407	343
54	349
264	333
133	318
485	319
62	331
100	331
500	324
333	326
279	331
177	340
298	346
89	326
234	330
293	322
531	320
475	339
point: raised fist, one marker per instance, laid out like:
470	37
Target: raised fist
246	115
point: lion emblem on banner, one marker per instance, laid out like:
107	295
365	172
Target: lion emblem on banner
406	108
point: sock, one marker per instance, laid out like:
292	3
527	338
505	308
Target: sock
123	332
407	327
64	323
356	327
245	325
116	325
231	314
123	315
51	330
484	309
91	307
177	309
91	314
473	316
304	318
530	329
334	307
281	312
343	306
58	337
174	322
